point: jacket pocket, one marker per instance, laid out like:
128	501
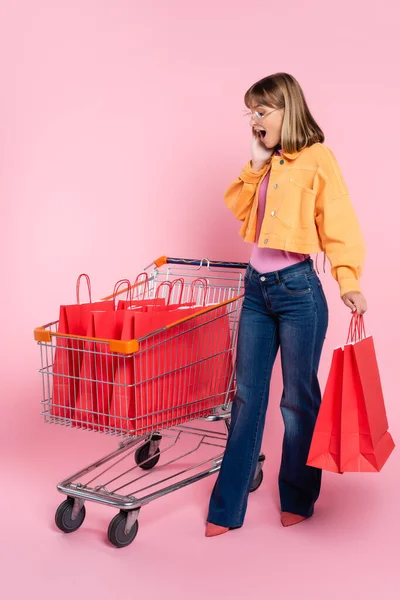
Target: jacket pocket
297	206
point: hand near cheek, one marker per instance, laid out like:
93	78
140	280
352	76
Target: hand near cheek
259	153
356	302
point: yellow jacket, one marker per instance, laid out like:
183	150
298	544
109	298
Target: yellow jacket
308	210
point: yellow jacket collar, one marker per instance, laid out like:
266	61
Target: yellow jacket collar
291	155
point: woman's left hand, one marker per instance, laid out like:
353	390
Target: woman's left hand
356	302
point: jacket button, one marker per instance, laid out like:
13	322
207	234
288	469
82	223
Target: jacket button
275	185
282	162
272	213
266	241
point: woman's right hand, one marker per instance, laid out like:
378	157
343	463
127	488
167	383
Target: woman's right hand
259	152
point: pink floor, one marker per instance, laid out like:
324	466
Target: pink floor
348	550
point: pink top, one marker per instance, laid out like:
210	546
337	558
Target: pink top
265	260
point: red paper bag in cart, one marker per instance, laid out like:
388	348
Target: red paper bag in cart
86	405
99	363
138	392
325	445
175	375
139	395
366	443
207	374
123	394
73	320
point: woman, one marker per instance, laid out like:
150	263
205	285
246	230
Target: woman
293	201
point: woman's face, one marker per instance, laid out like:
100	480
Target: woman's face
268	121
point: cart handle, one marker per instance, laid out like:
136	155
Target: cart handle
165	260
203	262
43	335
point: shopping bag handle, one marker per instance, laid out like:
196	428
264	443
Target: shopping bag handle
174	283
135	285
128	291
202	280
169	286
78	286
138	282
356	329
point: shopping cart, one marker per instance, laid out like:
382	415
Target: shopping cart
181	372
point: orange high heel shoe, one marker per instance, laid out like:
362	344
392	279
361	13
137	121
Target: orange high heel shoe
212	530
288	519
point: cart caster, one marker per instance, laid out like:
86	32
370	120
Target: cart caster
119	533
257	481
148	455
66	520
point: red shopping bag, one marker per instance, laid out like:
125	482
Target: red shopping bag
146	384
158	369
351	432
122	408
325	445
100	371
126	407
98	367
86	405
73	320
200	366
176	375
366	443
138	391
212	375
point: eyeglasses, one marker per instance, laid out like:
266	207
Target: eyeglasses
256	115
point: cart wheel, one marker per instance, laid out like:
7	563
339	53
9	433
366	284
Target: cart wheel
257	481
142	454
64	516
116	531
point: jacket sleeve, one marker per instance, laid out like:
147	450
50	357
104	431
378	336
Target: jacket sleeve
337	224
240	194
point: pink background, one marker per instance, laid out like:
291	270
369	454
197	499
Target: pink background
121	125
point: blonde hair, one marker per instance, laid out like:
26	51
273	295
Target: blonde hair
299	128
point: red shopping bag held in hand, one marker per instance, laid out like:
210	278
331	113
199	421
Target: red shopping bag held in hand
351	432
325	446
366	443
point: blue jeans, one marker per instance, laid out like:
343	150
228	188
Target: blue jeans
285	309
